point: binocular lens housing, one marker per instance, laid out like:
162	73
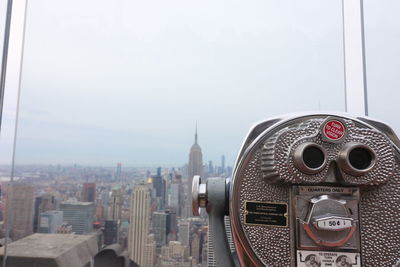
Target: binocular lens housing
360	158
313	157
357	159
310	158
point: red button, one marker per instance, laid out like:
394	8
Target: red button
334	130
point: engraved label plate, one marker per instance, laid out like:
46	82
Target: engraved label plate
266	213
327	259
325	190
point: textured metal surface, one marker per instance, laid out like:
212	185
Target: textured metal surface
265	172
271	244
380	227
277	154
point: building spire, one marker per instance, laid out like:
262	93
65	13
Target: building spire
195	135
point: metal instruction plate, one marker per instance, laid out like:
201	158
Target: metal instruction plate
266	213
326	190
327	259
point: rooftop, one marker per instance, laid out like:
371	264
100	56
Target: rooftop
48	250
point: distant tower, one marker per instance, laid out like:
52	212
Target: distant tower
210	168
88	192
139	223
223	163
195	167
119	172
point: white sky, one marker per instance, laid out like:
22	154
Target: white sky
125	81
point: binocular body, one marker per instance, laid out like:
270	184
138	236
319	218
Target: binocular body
310	190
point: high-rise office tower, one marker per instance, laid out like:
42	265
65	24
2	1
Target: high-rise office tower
159	186
116	204
105	197
50	221
195	167
172	226
195	248
110	232
160	220
184	232
44	202
100	212
139	223
79	214
88	192
157	183
175	196
150	252
19	210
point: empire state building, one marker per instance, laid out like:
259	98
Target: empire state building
195	167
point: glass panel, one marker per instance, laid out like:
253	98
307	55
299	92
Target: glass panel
4	157
382	36
113	89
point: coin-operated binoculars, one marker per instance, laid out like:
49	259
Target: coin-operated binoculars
309	190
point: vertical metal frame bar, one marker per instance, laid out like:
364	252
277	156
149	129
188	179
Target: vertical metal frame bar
5	55
354	57
13	52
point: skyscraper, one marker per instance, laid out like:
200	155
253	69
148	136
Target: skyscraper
139	223
195	167
184	232
159	187
116	204
150	252
19	210
195	248
88	192
110	232
44	202
79	215
118	174
50	221
160	227
175	196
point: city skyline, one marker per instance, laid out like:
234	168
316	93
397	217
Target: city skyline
119	162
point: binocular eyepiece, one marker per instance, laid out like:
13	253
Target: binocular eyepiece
355	159
309	190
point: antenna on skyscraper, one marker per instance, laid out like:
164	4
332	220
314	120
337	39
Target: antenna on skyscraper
195	135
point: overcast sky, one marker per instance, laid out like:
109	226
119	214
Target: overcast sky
125	81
